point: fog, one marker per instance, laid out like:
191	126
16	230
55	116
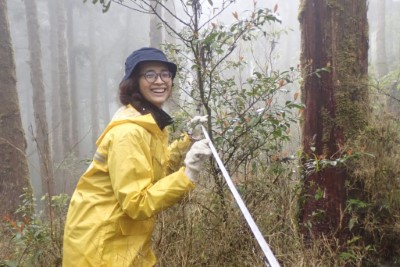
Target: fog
103	41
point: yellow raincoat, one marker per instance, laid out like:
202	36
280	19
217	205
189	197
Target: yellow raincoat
110	219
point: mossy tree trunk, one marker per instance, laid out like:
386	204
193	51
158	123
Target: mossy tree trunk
334	36
14	175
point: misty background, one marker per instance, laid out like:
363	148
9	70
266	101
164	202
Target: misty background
100	43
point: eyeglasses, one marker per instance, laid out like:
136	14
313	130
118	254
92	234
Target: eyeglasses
152	76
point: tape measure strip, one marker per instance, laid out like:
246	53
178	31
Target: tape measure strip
261	241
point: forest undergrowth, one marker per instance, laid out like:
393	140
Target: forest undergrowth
208	229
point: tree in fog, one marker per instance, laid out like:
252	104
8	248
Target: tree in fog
14	176
156	34
390	49
172	105
94	78
39	101
334	36
381	64
56	147
70	6
63	78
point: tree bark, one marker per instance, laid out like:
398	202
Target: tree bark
172	105
156	34
393	101
94	91
72	76
64	86
14	175
381	62
39	99
105	96
56	147
334	34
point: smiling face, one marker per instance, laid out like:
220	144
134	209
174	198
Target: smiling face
156	92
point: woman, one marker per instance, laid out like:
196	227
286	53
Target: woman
134	174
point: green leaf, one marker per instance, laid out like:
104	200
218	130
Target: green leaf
352	222
319	194
347	256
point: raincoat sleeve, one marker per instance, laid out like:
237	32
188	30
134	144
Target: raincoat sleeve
132	176
177	152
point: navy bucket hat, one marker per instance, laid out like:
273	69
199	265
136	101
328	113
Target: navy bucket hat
146	54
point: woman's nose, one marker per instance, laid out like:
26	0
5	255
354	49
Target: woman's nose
158	79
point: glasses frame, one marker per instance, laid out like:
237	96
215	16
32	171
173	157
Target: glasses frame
158	74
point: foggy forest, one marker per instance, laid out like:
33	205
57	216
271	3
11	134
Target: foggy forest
302	99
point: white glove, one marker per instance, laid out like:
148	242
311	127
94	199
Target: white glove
195	158
193	126
198	119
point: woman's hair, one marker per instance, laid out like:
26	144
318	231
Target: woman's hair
129	92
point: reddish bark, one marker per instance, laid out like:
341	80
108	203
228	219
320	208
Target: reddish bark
334	35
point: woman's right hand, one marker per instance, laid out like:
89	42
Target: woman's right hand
196	157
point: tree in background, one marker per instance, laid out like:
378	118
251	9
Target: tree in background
14	176
72	57
388	82
335	92
381	55
63	78
156	34
56	147
334	36
39	99
172	105
94	82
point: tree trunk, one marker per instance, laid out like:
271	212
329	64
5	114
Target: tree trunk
64	86
172	105
72	76
39	99
334	34
381	62
14	175
156	34
105	96
169	16
94	76
393	102
56	148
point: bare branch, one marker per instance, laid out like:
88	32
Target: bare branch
165	23
140	8
218	13
173	14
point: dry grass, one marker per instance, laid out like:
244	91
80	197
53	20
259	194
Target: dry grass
204	232
207	230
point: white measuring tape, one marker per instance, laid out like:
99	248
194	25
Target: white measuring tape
261	241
